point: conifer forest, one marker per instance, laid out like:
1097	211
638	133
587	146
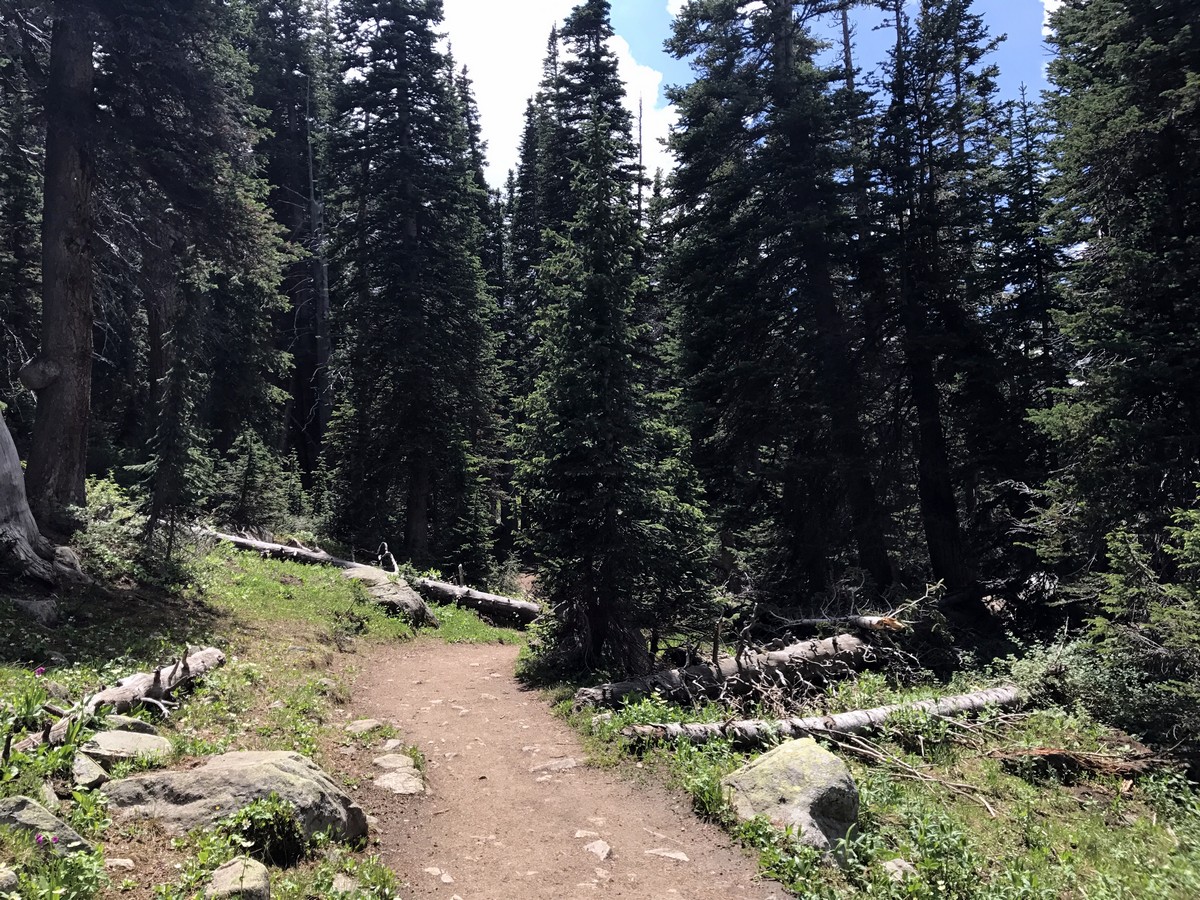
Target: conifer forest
882	344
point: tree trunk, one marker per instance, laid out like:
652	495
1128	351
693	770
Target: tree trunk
492	604
23	550
758	732
805	661
133	691
416	523
61	374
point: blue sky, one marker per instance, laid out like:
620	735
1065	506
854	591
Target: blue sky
502	43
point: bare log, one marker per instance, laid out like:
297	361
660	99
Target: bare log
397	596
866	623
758	732
493	604
23	550
803	661
141	688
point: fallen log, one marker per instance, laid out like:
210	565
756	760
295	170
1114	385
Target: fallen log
1067	764
493	604
759	732
396	596
736	676
866	623
439	591
140	689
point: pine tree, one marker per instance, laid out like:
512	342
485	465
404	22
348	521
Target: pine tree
416	359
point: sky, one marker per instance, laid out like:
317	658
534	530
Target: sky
502	43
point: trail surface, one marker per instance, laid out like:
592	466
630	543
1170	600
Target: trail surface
512	807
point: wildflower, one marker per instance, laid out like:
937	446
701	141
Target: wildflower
54	838
40	839
39	671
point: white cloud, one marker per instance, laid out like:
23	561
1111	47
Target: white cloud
675	7
1048	8
502	46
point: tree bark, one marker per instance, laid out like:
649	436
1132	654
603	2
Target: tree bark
61	374
133	691
738	676
23	550
759	732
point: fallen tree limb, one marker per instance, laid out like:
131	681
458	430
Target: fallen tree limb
866	623
153	688
1071	762
493	604
803	661
758	732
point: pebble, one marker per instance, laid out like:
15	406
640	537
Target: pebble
362	726
600	848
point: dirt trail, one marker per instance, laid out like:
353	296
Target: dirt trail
506	817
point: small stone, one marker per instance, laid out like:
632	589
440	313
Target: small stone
55	690
392	744
372	822
395	761
8	879
108	747
129	723
278	704
362	726
401	781
49	798
561	764
240	879
125	864
433	871
344	884
899	870
447	878
600	848
87	773
587	834
677	855
25	814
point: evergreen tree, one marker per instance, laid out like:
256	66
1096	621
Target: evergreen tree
416	359
1126	105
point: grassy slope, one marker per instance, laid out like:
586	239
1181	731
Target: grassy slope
289	632
1096	839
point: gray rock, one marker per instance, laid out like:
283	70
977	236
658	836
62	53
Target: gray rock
362	726
344	884
55	690
123	864
224	784
899	870
401	781
241	878
798	784
395	761
48	798
667	853
44	611
8	879
561	764
129	723
87	773
600	848
108	747
392	744
26	814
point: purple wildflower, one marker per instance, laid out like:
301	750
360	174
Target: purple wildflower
39	671
40	839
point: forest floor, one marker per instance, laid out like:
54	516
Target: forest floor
512	805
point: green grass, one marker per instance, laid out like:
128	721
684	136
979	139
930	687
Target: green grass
1097	839
463	626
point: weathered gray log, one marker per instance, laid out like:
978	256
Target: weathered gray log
439	591
759	732
23	550
866	623
139	689
396	596
736	676
493	604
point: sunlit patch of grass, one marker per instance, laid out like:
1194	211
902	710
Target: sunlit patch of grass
464	626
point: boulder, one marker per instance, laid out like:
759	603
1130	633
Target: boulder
8	879
224	784
240	879
26	814
108	747
798	784
87	773
129	723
